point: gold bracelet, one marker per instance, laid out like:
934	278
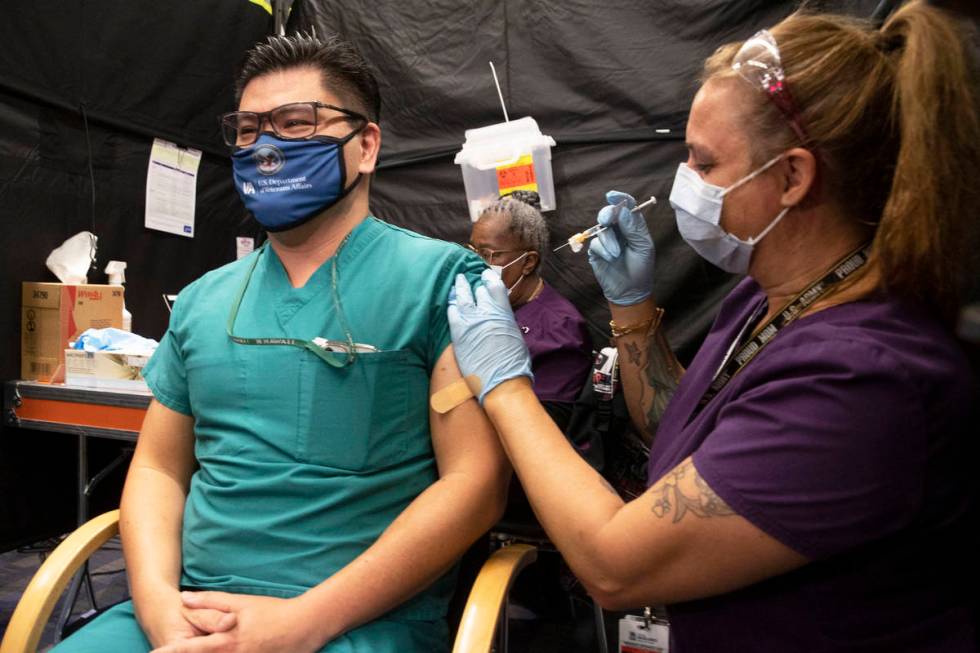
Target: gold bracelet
650	325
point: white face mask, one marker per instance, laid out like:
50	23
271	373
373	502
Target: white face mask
499	269
697	205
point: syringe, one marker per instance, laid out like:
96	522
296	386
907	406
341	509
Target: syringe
577	241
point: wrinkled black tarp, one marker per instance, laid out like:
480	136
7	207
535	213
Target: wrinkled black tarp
598	77
139	70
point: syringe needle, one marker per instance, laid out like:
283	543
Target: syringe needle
596	230
652	200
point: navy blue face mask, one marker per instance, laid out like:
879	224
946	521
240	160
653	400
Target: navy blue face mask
285	183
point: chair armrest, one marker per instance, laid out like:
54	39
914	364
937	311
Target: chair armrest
38	601
486	599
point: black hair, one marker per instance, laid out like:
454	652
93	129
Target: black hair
527	196
342	67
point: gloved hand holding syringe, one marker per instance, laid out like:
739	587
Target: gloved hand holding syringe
577	241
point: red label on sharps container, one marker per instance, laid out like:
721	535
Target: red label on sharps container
517	176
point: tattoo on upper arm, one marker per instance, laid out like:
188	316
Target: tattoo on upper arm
668	497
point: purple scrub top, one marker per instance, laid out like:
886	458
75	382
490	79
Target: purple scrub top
558	339
846	439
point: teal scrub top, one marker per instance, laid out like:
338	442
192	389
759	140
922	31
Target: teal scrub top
303	465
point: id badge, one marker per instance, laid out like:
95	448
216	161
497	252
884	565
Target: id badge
637	635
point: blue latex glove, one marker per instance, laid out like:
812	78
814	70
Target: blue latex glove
622	256
486	339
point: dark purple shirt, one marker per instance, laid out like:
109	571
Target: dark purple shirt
845	439
558	339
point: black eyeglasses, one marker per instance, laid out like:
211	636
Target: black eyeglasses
294	121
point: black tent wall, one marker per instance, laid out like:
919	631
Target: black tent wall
130	71
599	77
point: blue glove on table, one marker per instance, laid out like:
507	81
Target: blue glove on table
622	256
486	339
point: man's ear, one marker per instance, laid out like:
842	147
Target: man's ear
370	142
799	176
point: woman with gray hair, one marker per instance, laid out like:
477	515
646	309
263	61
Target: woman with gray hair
511	236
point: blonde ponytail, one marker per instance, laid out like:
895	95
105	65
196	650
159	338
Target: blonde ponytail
924	227
893	120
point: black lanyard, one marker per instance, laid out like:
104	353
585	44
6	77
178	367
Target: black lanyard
334	353
733	364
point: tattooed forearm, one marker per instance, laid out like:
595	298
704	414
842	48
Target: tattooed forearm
663	374
683	491
659	375
633	354
650	373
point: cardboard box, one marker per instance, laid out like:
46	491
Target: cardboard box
53	314
105	369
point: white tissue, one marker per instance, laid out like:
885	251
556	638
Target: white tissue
70	262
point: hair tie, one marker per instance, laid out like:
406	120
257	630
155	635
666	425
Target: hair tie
888	43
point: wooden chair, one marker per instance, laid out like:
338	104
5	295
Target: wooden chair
479	622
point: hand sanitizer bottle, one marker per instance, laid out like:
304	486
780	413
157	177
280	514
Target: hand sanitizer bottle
117	277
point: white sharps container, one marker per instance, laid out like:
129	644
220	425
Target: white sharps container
499	159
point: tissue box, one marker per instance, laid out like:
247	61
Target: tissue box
53	314
111	370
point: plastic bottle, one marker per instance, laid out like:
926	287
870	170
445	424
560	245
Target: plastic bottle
117	277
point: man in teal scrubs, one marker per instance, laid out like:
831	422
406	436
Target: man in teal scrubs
289	477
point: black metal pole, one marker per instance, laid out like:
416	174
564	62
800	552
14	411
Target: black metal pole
883	11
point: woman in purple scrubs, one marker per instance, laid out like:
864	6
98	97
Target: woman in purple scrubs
512	237
811	484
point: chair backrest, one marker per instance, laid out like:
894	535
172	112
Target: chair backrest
36	604
484	612
468	570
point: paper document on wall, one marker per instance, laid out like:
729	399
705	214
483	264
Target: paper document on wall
171	188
